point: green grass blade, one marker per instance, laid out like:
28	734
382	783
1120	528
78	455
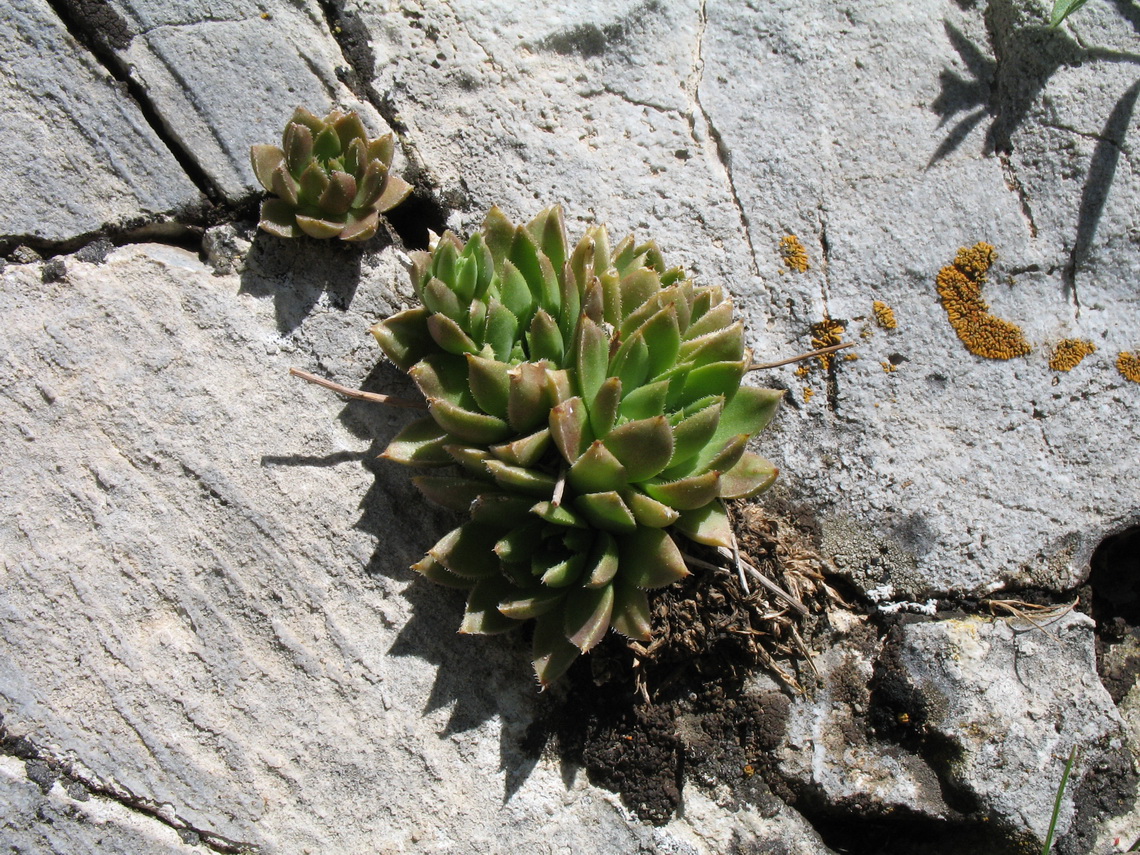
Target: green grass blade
1057	803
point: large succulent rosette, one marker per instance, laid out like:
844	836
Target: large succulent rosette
592	400
328	177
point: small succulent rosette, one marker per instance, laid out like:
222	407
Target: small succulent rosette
592	400
328	177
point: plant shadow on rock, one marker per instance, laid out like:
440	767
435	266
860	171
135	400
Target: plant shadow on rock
297	272
478	677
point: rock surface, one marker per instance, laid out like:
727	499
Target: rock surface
208	619
79	155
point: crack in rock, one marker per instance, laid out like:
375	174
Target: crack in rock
713	140
44	770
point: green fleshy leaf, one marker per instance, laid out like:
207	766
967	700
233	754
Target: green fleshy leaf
686	494
499	232
382	149
476	321
265	160
520	544
650	559
693	433
502	510
502	327
559	515
338	196
572	309
545	339
611	297
568	427
526	451
433	571
528	404
558	386
396	190
420	443
638	287
360	228
448	491
279	218
444	259
318	228
553	241
582	266
515	293
602	565
649	512
604	409
723	345
531	603
442	375
472	458
477	428
468	551
716	378
285	186
630	614
586	616
439	297
597	471
489	384
556	569
477	251
591	355
631	362
643	447
645	401
624	256
524	256
593	302
313	183
663	337
450	336
1062	9
751	475
553	654
348	127
466	279
482	616
529	481
716	318
747	412
404	337
709	525
607	511
729	454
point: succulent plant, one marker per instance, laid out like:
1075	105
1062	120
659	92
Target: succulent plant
329	178
592	400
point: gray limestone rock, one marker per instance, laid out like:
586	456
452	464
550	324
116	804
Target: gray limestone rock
223	76
78	154
867	132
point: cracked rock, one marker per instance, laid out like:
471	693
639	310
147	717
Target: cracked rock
84	158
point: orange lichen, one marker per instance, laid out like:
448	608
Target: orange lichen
960	288
888	368
802	371
826	333
794	254
1069	353
808	393
850	357
1128	364
884	315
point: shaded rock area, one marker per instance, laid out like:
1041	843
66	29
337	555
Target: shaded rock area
210	640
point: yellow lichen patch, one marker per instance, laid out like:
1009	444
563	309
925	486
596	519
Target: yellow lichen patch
802	371
884	315
825	333
888	368
1069	353
850	357
808	393
1128	364
960	288
794	254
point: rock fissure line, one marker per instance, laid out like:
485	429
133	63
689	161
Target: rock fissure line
54	769
78	27
714	140
825	294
